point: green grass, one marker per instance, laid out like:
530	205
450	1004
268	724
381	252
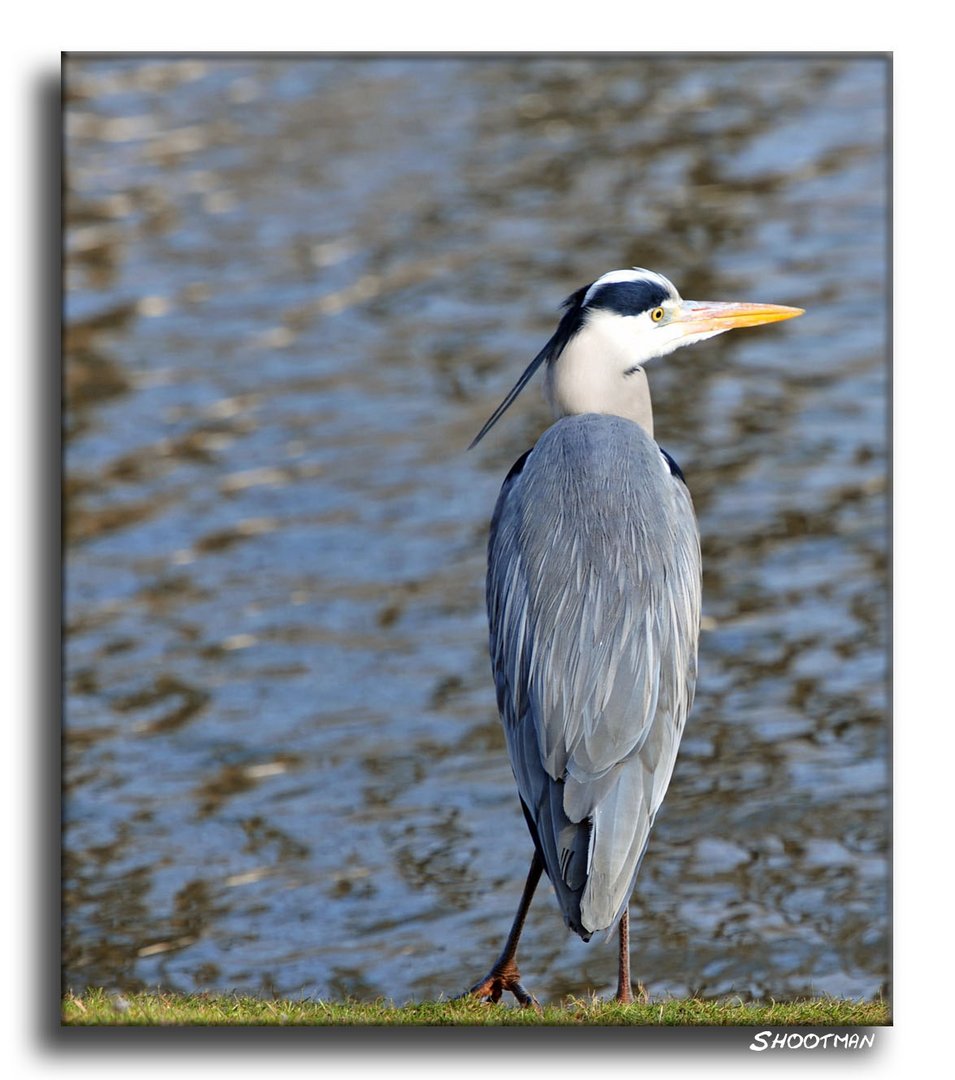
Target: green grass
97	1007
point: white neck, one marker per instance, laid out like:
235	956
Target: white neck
589	375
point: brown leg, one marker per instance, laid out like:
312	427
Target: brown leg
504	974
624	990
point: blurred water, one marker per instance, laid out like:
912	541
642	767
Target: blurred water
295	290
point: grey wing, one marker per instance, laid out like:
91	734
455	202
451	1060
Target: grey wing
594	606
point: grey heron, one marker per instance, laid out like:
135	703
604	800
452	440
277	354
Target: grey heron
593	597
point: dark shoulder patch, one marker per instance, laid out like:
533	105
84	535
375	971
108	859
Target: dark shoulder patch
505	495
674	468
516	469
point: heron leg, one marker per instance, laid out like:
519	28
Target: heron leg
504	975
624	989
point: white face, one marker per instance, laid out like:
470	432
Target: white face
626	341
629	340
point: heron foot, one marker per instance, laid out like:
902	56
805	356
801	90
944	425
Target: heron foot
503	977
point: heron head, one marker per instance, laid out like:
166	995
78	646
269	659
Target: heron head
640	314
613	326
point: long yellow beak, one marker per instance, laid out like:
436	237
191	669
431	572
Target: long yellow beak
713	317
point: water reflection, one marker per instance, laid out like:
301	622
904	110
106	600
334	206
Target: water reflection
294	289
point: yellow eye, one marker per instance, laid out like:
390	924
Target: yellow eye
656	314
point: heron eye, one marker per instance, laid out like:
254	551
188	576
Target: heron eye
656	314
